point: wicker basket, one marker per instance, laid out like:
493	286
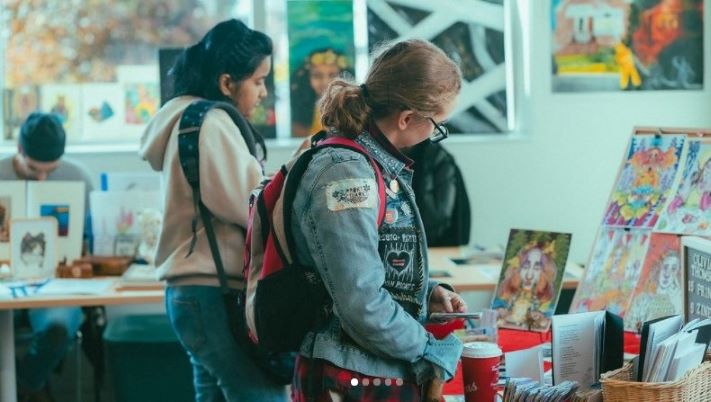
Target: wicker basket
695	386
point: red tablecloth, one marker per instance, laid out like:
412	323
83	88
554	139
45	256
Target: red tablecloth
511	340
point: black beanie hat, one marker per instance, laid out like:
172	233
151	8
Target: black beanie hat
42	137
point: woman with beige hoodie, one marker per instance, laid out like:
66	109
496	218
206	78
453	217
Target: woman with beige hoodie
230	63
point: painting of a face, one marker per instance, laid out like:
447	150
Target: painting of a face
669	272
531	268
320	75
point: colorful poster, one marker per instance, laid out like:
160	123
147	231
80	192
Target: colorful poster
689	211
613	271
472	34
142	102
659	292
321	48
613	45
103	111
530	280
646	181
64	101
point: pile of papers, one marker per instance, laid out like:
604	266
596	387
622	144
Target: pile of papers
525	389
669	350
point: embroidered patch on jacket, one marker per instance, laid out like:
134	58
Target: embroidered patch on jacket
351	193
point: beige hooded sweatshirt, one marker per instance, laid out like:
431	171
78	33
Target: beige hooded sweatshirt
228	173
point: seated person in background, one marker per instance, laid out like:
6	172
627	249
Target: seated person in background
40	147
441	195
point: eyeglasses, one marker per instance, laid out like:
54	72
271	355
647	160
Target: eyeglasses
440	131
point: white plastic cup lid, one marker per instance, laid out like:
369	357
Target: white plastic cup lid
481	350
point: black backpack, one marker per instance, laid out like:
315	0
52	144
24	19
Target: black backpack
278	366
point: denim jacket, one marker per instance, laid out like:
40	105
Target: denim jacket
377	278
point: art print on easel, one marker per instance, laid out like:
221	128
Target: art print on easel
646	181
659	289
613	272
530	280
33	248
689	210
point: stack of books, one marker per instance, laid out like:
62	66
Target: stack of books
669	349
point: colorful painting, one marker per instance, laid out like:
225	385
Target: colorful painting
646	181
659	292
65	102
60	213
5	216
18	104
34	248
103	111
613	271
142	102
530	280
613	45
65	201
689	211
471	33
321	48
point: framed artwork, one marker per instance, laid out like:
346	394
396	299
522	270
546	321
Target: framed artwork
616	45
659	288
63	201
646	181
321	48
613	271
142	102
34	248
64	100
530	280
696	260
689	210
12	206
116	219
102	112
470	32
18	104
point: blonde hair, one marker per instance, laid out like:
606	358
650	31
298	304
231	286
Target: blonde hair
409	75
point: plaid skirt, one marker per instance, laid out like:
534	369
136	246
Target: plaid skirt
334	384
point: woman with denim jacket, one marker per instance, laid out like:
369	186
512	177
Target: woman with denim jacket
373	346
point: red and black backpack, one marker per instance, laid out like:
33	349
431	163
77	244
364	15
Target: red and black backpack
284	299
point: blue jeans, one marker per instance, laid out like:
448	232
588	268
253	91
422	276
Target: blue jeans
53	330
221	370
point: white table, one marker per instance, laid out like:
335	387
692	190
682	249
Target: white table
8	390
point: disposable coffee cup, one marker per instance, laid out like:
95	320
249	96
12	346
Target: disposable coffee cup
480	371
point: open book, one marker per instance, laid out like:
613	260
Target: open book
586	345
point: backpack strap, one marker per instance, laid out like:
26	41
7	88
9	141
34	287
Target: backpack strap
189	146
294	178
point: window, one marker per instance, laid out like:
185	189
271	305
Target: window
95	62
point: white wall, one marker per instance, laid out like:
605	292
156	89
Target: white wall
559	174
